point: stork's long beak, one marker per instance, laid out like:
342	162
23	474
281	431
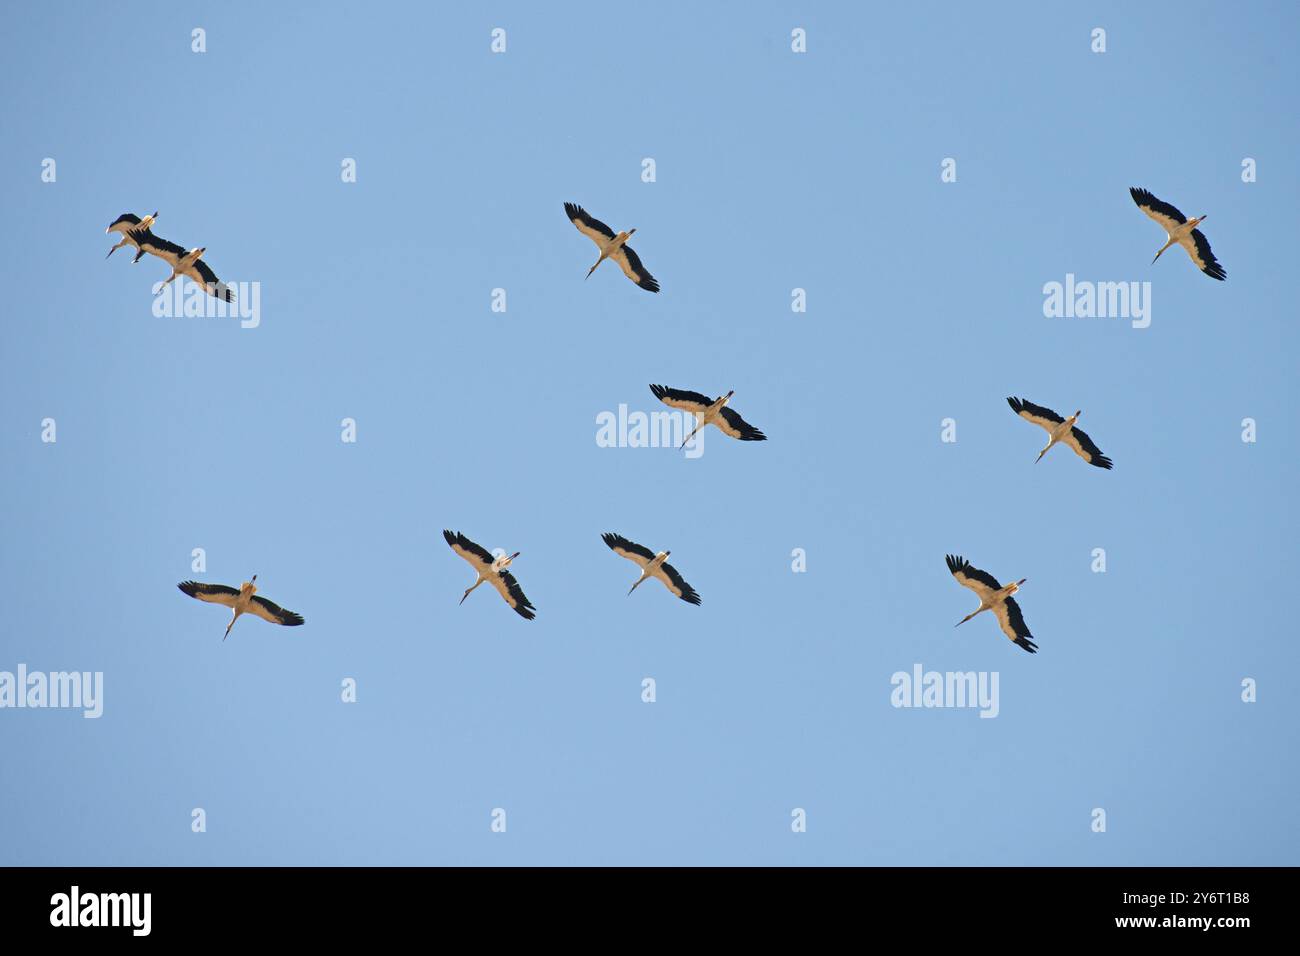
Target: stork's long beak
463	596
515	555
590	271
1158	255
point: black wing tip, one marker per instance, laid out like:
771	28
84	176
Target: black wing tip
747	431
956	562
644	279
572	210
292	619
1020	405
523	606
612	539
691	597
1093	453
659	391
189	587
451	536
1027	644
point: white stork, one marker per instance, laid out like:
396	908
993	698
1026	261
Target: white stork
132	228
994	597
708	411
652	566
186	263
611	246
1061	430
493	571
1182	231
242	601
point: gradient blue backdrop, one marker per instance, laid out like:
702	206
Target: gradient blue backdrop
775	171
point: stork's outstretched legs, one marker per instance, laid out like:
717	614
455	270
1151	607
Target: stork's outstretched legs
468	590
697	427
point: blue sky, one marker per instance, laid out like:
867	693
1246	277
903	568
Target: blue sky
775	171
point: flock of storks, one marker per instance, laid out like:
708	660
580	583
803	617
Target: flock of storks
494	569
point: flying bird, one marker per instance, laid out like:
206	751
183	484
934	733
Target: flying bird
242	601
186	263
1182	231
611	246
994	597
708	411
132	228
493	571
1061	430
652	566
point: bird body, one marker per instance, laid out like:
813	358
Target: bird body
708	411
245	600
491	570
653	565
1181	230
132	229
993	597
186	262
1060	430
612	246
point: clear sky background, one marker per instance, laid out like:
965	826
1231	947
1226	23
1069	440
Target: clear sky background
775	171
